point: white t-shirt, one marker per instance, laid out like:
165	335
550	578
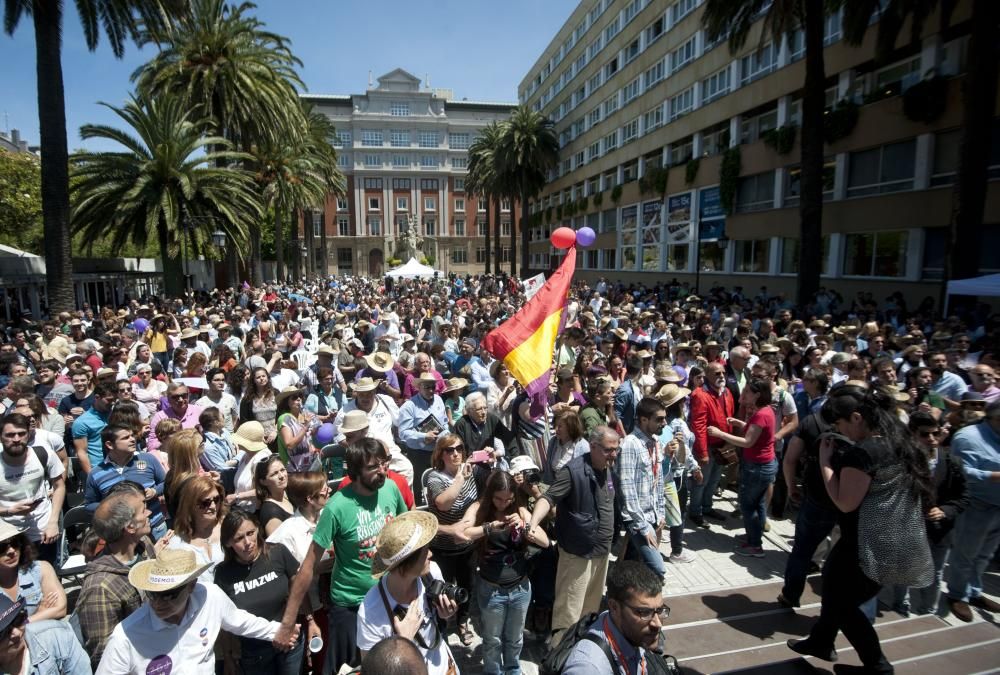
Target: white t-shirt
374	625
243	478
48	440
218	555
226	406
27	481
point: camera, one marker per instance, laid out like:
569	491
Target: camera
453	591
532	476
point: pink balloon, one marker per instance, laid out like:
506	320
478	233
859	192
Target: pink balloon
563	237
586	236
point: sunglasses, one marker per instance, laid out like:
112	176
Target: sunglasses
178	397
166	596
8	545
929	434
205	504
19	621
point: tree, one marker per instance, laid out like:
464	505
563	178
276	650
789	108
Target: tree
734	18
164	185
979	95
21	200
119	19
484	179
529	150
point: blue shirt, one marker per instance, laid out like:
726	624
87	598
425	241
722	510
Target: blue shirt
143	468
89	425
54	650
218	450
978	446
951	386
413	413
588	658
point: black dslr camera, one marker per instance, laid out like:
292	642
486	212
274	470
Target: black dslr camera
532	476
453	591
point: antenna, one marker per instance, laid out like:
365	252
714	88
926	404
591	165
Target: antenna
6	123
369	78
427	81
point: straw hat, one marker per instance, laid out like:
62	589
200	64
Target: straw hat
401	537
426	377
8	531
455	384
713	344
665	373
620	334
406	337
645	354
289	391
670	393
819	323
250	436
899	394
784	342
58	348
380	361
171	568
682	347
769	349
355	420
326	349
365	384
188	333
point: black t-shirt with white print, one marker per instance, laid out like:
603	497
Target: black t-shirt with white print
260	588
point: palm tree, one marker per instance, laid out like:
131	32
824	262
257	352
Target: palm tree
979	94
734	18
220	57
163	184
483	178
528	151
119	20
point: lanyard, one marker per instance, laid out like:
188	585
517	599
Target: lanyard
622	662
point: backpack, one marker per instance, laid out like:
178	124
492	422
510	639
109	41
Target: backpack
555	660
43	459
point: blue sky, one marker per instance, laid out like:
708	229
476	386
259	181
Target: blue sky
479	48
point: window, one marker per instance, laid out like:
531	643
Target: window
402	223
374	204
400	161
428	161
505	254
430	204
505	205
610	104
342	204
345	259
681	151
793	182
317	223
504	228
373	160
681	104
611	141
630	171
428	183
480	255
683	55
427	139
373	183
632	50
594	83
460	205
946	146
400	183
578	159
399	109
715	140
757	65
652	119
790	255
343	226
458	141
714	86
578	127
898	77
371	137
460	227
594	117
581	62
459	256
632	89
653	74
755	193
655	30
594	49
375	226
611	68
343	139
681	9
402	203
344	160
752	128
430	227
879	254
888	168
751	255
594	151
630	131
609	258
460	162
399	138
483	205
579	95
632	9
831	27
612	30
459	185
482	226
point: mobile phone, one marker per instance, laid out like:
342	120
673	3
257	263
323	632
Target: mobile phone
480	457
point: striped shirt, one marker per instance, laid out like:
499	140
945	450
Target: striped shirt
143	469
437	483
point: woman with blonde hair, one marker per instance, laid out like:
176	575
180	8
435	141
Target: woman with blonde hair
183	451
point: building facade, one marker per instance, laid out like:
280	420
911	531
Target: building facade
635	87
404	148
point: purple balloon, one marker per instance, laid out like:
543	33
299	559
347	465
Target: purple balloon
324	435
586	236
140	326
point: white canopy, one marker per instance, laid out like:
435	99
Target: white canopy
412	270
988	285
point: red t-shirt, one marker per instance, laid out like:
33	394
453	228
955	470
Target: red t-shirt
398	479
762	451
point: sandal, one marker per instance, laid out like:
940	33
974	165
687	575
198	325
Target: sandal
465	634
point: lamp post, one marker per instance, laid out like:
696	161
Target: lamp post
305	261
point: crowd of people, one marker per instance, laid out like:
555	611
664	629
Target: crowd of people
290	478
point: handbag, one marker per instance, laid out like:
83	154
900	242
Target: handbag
892	537
725	455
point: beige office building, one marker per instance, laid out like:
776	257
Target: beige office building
634	84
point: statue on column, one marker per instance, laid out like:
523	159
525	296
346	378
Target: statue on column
411	243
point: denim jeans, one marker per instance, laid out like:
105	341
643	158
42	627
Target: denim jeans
702	495
924	600
754	481
813	525
503	611
258	657
639	549
976	537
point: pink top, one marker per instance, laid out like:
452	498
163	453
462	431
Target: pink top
762	451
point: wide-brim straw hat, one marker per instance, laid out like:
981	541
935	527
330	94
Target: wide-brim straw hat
355	420
328	350
455	384
620	334
426	377
173	567
900	395
8	531
365	384
380	362
250	436
402	537
667	374
188	333
289	391
769	349
670	393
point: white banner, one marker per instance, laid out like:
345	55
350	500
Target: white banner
533	284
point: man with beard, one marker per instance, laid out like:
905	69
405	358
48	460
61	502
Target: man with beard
712	405
350	524
621	639
48	387
944	382
24	481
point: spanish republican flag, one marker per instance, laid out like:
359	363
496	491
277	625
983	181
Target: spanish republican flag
525	342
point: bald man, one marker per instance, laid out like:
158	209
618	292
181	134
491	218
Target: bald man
394	656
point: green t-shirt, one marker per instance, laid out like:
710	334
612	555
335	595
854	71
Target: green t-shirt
350	523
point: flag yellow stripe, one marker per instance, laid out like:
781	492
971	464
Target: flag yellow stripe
532	358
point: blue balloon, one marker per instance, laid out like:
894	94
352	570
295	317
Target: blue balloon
585	236
324	435
141	325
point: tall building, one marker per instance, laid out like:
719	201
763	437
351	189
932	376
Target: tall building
634	87
404	150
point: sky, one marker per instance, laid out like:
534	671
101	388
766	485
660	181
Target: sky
481	49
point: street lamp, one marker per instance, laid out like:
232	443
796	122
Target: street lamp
305	261
219	238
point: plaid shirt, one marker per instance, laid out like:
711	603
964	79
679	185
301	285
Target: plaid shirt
642	486
107	597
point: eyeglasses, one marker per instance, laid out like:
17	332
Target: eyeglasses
19	620
166	596
607	451
382	463
206	504
646	613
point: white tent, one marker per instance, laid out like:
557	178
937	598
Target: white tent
986	286
412	270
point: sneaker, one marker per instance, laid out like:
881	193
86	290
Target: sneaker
750	551
699	521
684	556
714	515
